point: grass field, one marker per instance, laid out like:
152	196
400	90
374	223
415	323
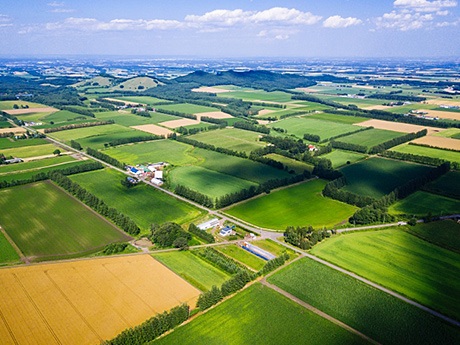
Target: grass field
302	125
291	164
340	158
63	116
127	119
75	134
259	315
415	268
447	185
350	120
274	248
231	138
377	176
301	205
6	105
187	108
144	204
422	203
85	302
30	151
380	316
196	271
209	182
7	143
242	256
442	233
35	165
170	151
100	141
370	137
7	253
57	225
451	156
142	99
259	95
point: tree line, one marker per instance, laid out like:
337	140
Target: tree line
105	158
79	125
333	189
193	195
207	237
98	205
177	113
220	260
169	235
397	141
304	237
251	127
137	139
152	328
418	159
396	97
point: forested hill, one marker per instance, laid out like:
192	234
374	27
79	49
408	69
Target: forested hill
265	80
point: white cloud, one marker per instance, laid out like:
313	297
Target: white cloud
424	5
336	22
62	10
55	4
5	21
92	24
277	34
403	21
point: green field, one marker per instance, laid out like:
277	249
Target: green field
259	315
27	174
377	314
101	141
127	119
377	176
208	182
142	99
443	233
422	203
5	124
452	156
35	165
340	158
143	204
447	185
172	152
338	118
291	164
7	105
302	125
62	117
196	271
370	138
301	205
30	151
56	225
274	248
187	108
242	256
406	264
75	134
7	143
239	167
231	138
7	253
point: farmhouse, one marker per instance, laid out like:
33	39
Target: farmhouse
226	231
209	224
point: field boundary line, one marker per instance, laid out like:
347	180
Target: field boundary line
14	245
37	309
319	312
386	290
73	306
8	328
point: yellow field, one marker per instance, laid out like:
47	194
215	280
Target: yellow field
442	114
179	123
397	126
214	115
86	301
153	129
210	89
30	110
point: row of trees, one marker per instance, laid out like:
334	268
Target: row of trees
333	189
251	127
177	113
273	264
220	260
98	205
81	111
210	147
349	146
220	122
397	97
304	237
193	229
193	195
137	139
418	159
397	141
78	125
152	328
190	131
105	158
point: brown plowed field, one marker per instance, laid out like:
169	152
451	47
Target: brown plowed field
179	123
214	115
210	89
444	143
85	301
30	110
153	129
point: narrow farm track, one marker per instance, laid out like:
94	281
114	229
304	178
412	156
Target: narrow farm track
318	312
15	247
265	233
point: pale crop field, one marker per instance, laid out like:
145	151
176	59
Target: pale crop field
87	301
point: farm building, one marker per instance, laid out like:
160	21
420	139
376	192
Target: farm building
135	171
12	161
159	174
156	181
209	224
258	251
226	231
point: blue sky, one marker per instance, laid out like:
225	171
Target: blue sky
236	28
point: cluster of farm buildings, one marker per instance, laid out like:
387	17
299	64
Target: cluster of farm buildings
150	172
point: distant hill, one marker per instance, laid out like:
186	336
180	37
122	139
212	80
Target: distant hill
117	84
265	80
